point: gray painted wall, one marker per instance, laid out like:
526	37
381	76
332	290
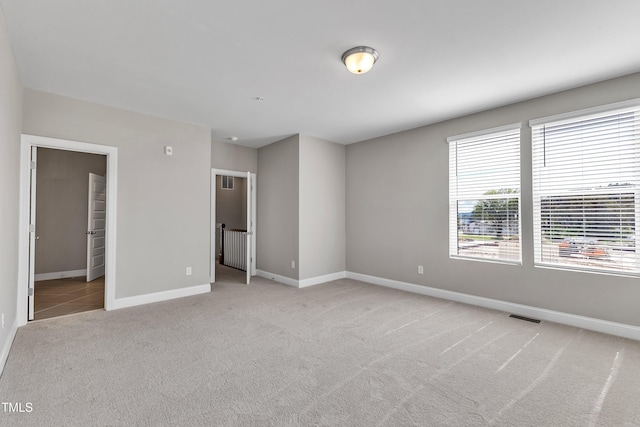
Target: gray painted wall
301	207
322	207
61	208
10	129
397	210
163	201
277	211
231	205
233	157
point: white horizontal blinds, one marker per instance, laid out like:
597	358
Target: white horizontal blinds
586	176
484	195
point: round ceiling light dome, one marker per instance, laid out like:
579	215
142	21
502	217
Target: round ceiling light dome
360	59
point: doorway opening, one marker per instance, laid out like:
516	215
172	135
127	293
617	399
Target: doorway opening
71	295
67	209
70	202
233	212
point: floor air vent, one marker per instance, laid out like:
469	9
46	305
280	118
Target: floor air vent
528	319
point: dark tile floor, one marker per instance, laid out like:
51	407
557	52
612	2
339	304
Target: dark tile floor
60	297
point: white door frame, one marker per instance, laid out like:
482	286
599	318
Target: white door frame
24	260
251	266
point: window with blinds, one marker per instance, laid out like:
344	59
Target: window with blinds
227	182
586	175
484	195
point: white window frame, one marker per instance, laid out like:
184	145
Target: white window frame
226	182
608	109
454	198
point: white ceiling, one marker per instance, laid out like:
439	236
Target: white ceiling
206	61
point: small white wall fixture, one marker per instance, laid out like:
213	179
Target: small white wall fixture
24	260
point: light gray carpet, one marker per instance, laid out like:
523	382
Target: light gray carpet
343	353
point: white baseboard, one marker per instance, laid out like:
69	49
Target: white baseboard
301	283
598	325
276	277
6	347
322	279
60	275
160	296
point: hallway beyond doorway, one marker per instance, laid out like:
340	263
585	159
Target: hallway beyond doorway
60	297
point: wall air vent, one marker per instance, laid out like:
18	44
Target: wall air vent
528	319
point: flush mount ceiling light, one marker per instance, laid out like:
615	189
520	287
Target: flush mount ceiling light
360	59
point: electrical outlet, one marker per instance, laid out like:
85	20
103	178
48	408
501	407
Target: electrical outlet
420	269
188	271
2	320
293	264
